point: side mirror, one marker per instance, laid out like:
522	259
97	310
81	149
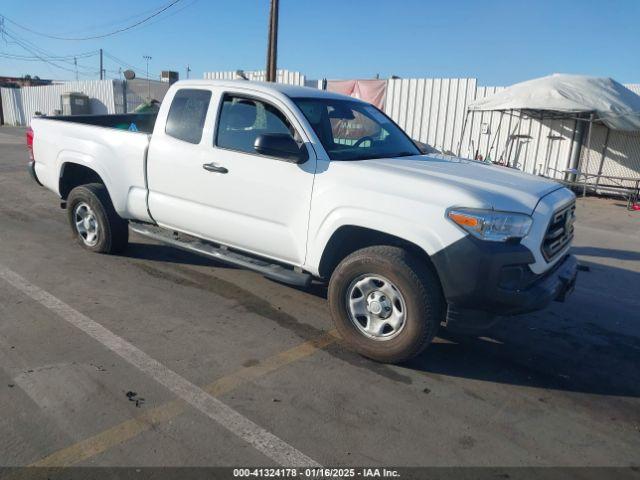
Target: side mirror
280	145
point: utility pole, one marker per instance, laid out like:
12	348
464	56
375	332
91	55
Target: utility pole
101	67
147	58
272	46
75	62
188	70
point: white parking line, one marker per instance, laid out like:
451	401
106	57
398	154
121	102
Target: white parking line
270	445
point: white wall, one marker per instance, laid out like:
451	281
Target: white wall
12	106
282	76
434	111
22	104
431	110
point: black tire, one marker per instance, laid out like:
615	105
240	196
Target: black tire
112	232
420	289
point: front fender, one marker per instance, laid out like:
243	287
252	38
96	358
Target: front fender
431	235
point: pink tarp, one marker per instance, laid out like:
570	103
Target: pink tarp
372	91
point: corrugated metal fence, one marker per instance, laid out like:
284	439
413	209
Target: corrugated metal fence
137	91
106	96
12	106
434	111
19	105
431	110
282	76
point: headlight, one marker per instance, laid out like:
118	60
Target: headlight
491	225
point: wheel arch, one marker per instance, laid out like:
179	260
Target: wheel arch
73	175
349	238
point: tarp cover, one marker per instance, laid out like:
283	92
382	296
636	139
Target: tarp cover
372	91
612	103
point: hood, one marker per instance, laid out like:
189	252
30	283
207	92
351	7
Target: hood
485	185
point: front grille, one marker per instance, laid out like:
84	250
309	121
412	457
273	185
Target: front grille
560	232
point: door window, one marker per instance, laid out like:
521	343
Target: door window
242	120
187	114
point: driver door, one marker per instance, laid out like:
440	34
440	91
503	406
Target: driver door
222	190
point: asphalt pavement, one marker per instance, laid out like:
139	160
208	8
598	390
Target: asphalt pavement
140	359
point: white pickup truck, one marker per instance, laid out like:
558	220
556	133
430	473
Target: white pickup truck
304	185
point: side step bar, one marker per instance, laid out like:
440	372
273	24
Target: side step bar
206	249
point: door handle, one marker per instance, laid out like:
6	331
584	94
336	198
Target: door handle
212	167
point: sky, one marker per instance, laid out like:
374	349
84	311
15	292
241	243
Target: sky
499	42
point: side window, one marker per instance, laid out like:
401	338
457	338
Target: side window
187	114
242	120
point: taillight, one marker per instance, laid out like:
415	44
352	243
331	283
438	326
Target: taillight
30	142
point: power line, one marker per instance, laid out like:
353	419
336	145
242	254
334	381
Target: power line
38	55
112	23
93	37
18	40
169	15
123	63
16	56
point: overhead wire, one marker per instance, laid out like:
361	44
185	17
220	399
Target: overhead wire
111	23
44	56
93	37
40	55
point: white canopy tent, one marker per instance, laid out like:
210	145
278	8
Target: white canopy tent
610	102
561	96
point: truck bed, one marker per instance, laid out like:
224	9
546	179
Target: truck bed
105	144
143	122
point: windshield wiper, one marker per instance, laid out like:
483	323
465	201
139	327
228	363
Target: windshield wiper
381	155
405	154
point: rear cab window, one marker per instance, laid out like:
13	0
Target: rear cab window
187	114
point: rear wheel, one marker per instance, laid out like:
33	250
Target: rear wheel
93	220
386	303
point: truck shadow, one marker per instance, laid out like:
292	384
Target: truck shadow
165	253
606	253
590	344
579	346
611	370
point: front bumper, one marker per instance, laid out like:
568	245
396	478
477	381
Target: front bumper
554	285
32	171
482	280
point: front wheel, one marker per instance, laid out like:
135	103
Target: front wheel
94	222
386	303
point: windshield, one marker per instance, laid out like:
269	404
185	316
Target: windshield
351	130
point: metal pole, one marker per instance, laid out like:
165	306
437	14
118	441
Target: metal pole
101	67
147	58
1	111
586	169
272	47
602	157
574	162
488	155
464	126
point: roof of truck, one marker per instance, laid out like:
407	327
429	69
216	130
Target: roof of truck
292	91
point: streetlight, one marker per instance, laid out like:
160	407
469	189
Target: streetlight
147	58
